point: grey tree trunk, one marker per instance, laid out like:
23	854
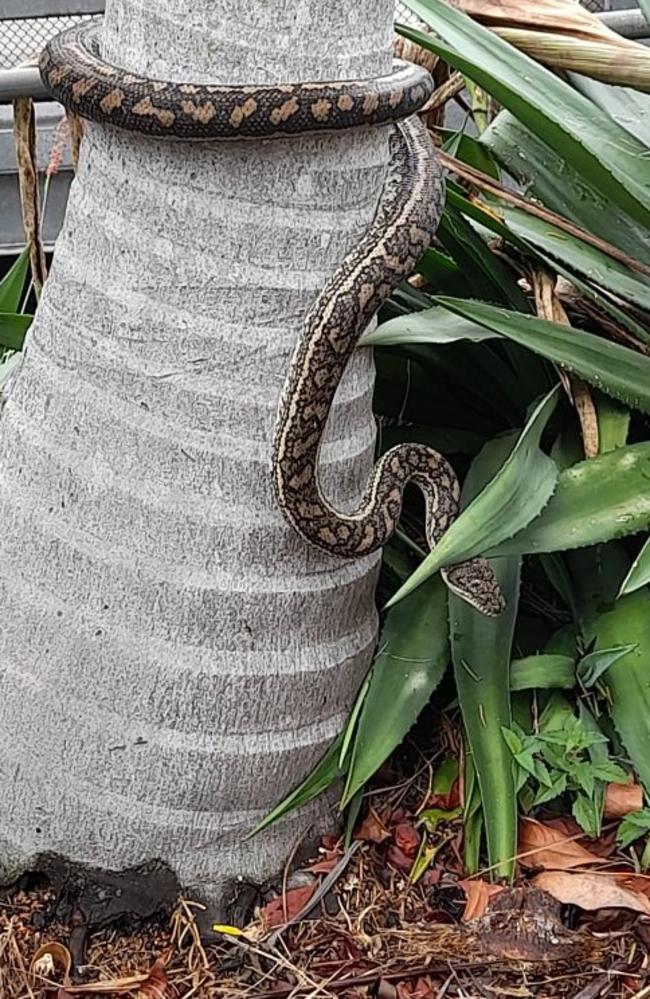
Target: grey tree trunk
172	657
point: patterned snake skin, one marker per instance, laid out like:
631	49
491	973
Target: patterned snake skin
406	219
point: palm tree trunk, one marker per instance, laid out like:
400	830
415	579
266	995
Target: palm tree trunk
173	658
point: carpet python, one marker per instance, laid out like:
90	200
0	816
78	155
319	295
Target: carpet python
405	221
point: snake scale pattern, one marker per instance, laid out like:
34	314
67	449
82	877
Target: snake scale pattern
406	219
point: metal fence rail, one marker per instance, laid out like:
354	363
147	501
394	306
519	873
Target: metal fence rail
25	26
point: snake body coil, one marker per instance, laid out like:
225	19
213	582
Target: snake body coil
406	218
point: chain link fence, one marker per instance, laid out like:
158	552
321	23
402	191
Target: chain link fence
21	40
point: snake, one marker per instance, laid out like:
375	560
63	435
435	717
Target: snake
406	218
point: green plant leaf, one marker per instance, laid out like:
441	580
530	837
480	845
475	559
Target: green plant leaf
445	777
628	679
326	772
12	285
596	575
543	672
639	574
433	817
594	264
633	826
556	182
7	367
469	150
613	423
586	815
425	856
479	212
472	817
441	272
598	754
594	665
481	653
518	492
349	730
563	118
596	500
412	658
491	278
628	107
615	369
434	325
13	327
447	440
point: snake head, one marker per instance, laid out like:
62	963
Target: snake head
475	583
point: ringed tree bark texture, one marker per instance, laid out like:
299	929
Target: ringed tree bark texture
172	657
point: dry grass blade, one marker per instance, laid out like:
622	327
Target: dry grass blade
25	141
563	35
549	306
605	61
449	89
76	127
562	16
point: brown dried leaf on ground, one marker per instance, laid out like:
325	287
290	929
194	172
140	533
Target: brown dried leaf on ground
447	802
639	883
591	891
282	909
398	859
421	988
543	846
157	985
407	838
621	799
52	961
602	847
113	986
478	894
372	829
324	865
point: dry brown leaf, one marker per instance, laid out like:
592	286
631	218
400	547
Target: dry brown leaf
372	829
542	846
116	986
638	883
562	35
398	859
562	16
51	961
446	801
478	895
157	985
407	838
152	984
591	891
621	799
604	846
323	866
549	306
284	908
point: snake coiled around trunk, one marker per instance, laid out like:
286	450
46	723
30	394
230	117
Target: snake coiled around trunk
406	219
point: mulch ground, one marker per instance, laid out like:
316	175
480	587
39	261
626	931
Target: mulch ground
372	929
